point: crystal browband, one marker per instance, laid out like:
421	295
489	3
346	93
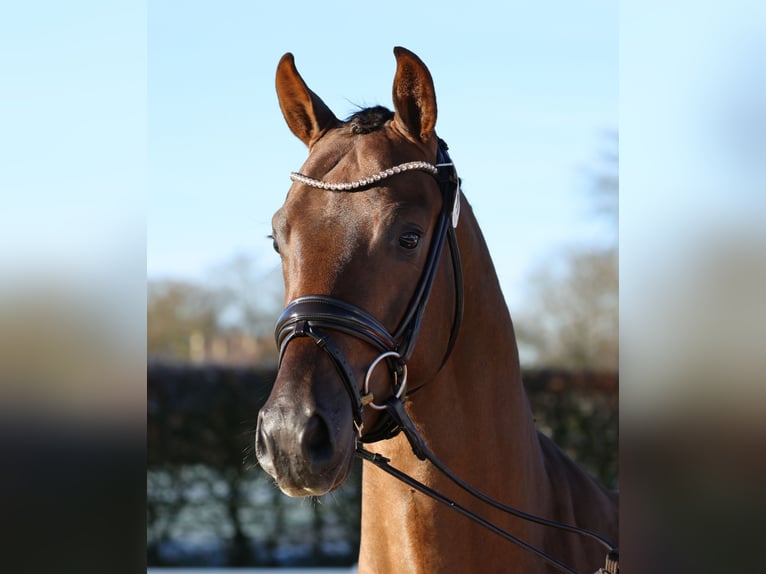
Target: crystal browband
365	181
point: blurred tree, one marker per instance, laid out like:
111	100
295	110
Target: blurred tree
227	319
254	297
605	184
570	320
175	311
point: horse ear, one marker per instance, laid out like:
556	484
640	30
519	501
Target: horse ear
306	114
414	96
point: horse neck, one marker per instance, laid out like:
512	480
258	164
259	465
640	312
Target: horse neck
478	397
474	415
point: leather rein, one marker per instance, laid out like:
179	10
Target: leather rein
313	315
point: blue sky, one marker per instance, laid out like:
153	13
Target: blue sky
72	133
526	92
146	137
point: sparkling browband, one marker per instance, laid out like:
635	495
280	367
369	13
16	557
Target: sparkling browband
365	181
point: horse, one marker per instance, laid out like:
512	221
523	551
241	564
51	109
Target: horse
395	320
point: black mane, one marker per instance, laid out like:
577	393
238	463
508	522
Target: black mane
369	119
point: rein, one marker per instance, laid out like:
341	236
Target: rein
419	448
312	315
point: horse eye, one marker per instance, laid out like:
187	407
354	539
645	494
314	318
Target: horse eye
274	243
409	240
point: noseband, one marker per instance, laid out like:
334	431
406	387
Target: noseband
312	315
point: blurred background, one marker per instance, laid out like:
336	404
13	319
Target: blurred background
143	141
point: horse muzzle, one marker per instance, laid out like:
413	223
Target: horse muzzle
304	438
303	452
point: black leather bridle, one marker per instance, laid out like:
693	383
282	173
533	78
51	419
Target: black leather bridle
314	315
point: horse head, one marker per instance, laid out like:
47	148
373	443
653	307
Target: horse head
359	236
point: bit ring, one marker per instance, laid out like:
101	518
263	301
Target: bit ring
371	368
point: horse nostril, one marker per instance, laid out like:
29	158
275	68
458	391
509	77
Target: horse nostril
261	442
264	450
316	441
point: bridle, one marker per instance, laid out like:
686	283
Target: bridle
313	315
